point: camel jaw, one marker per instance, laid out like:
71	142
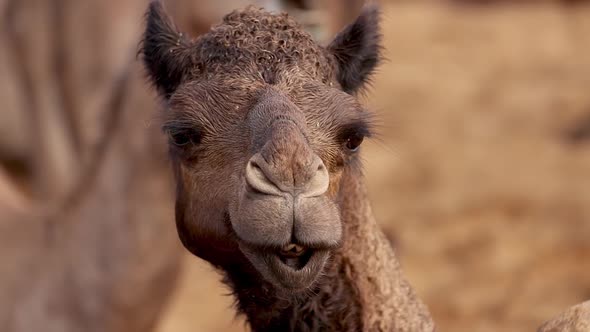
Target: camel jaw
291	273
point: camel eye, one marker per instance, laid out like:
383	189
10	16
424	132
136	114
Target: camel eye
184	137
353	141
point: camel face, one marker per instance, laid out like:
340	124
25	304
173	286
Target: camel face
260	167
262	123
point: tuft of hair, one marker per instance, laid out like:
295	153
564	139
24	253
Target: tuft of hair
357	50
166	52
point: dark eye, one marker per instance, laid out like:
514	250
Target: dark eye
184	137
353	141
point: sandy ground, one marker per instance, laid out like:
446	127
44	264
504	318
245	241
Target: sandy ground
475	172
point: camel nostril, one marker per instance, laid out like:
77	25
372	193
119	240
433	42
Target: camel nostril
257	179
256	168
307	179
319	181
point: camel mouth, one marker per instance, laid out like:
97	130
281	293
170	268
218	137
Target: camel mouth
295	256
292	268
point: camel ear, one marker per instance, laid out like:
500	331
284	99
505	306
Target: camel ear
166	52
357	50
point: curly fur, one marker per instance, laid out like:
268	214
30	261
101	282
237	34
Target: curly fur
255	40
332	305
261	45
249	42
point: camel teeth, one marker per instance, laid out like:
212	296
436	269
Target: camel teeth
293	248
289	247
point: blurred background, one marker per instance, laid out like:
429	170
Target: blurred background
480	175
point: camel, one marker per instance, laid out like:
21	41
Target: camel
78	255
88	263
78	245
264	135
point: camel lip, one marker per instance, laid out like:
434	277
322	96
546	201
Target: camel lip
292	276
295	262
301	275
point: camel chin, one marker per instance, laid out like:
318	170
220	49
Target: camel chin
291	273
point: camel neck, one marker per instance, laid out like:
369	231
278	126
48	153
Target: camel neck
388	301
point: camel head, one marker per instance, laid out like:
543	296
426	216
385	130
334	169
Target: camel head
263	124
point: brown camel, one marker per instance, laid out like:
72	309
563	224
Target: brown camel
90	264
264	131
79	255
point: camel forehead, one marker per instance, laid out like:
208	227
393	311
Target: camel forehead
252	41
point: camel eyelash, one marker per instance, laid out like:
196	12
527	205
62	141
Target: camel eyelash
351	136
358	128
183	135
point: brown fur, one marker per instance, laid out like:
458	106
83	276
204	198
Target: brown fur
257	90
